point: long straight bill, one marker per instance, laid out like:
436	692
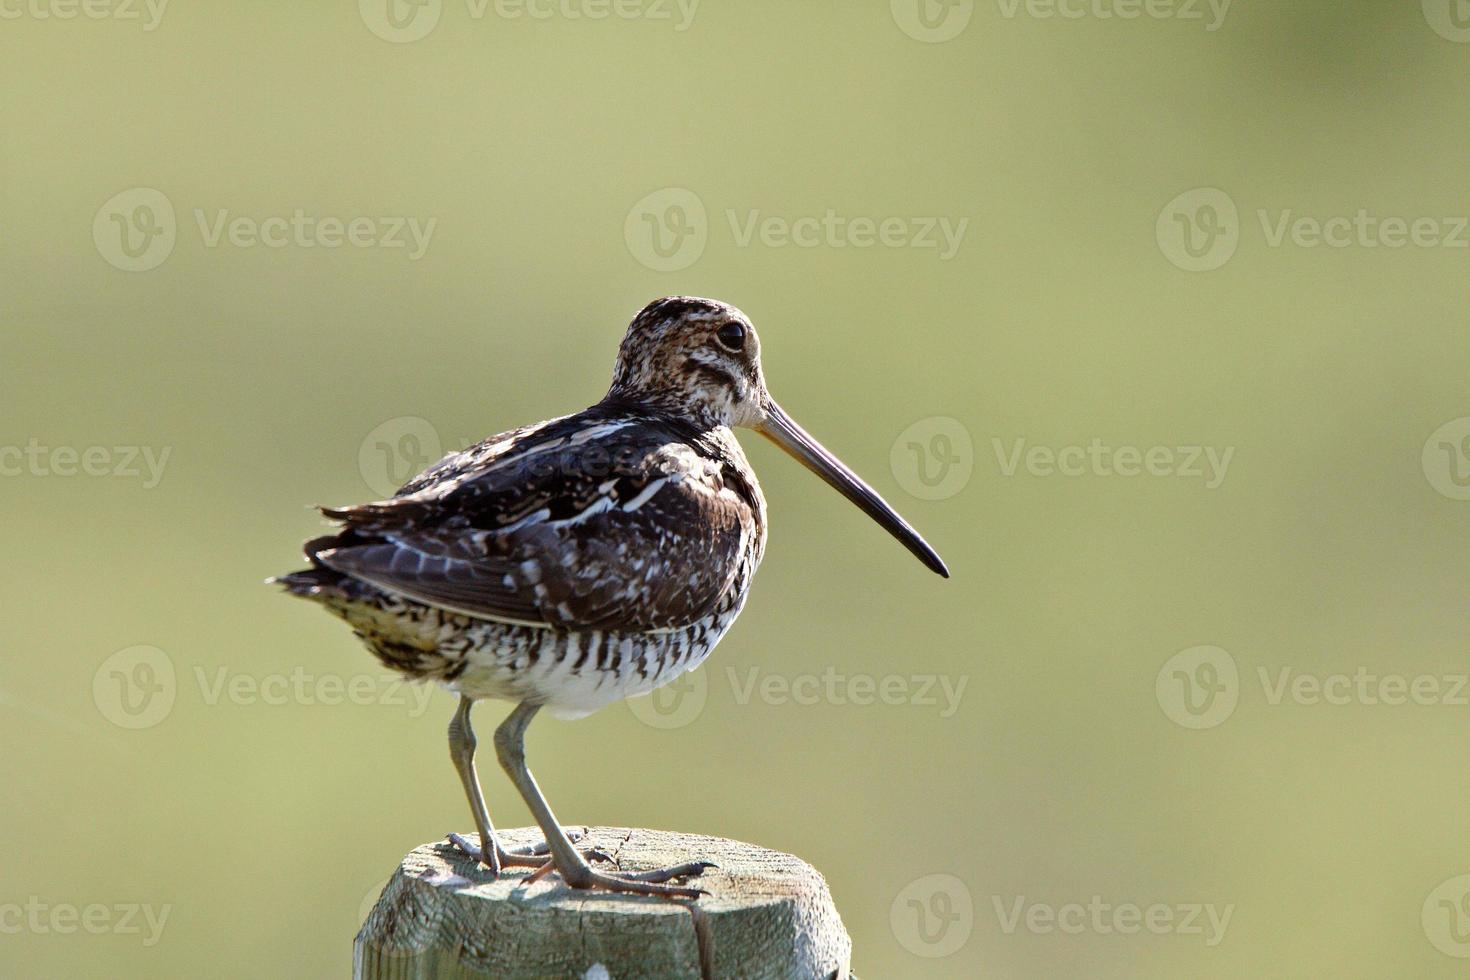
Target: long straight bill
780	429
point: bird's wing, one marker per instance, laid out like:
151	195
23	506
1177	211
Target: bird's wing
582	523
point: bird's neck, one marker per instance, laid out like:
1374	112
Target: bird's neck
692	411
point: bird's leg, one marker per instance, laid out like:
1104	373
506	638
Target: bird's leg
510	741
462	750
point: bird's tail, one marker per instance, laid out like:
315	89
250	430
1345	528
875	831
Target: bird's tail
313	583
318	582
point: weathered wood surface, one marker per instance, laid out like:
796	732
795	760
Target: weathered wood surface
768	915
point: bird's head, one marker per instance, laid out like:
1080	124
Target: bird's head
694	358
699	360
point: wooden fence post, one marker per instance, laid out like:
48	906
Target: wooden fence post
768	915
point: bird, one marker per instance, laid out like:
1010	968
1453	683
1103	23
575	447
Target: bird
576	562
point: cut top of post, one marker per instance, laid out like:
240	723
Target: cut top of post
767	914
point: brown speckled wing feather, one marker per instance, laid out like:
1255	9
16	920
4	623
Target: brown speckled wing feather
587	522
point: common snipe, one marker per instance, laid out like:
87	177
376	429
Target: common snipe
580	561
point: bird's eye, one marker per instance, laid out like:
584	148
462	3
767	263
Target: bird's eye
732	336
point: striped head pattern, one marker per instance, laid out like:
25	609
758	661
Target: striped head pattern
694	358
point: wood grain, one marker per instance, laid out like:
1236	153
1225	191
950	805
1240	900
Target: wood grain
768	915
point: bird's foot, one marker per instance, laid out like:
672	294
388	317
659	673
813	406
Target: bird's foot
526	856
637	883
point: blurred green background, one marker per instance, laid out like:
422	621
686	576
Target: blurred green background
194	779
